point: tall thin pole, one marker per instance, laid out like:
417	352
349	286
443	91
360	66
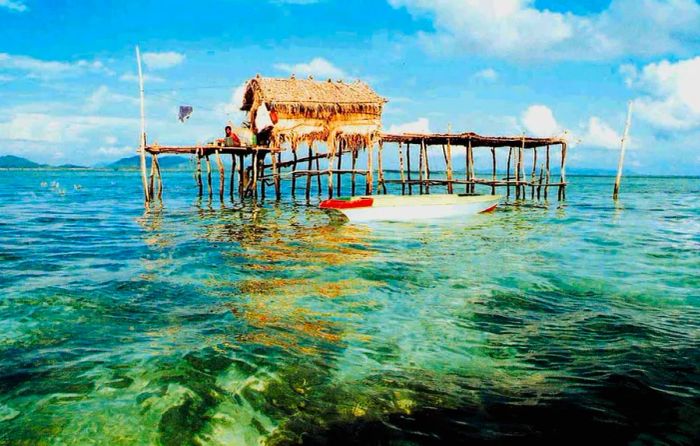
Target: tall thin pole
142	151
620	163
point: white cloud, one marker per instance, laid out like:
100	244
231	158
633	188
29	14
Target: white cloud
131	77
518	28
163	60
600	134
420	126
538	120
46	69
488	74
59	129
318	67
14	5
670	93
103	96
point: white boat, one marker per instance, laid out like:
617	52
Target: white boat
411	207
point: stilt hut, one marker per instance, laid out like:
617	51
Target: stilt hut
338	116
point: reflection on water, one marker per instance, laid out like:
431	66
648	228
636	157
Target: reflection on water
203	322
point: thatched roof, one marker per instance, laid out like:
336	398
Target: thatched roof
308	97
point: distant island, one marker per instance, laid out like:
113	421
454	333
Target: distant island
128	163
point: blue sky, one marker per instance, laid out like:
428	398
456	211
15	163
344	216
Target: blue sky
67	70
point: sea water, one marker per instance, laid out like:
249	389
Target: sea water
202	322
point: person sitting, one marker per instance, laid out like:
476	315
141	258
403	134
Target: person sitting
231	139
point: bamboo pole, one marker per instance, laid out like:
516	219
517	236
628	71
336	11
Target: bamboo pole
448	166
426	166
142	138
623	147
403	179
254	181
467	168
222	174
151	177
472	173
241	176
532	175
369	178
539	186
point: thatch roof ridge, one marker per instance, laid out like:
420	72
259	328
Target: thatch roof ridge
309	91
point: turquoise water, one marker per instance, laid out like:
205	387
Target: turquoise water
210	323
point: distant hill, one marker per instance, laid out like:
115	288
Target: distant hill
133	162
17	162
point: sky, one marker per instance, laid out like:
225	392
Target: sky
69	91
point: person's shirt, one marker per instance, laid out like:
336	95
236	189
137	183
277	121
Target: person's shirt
262	118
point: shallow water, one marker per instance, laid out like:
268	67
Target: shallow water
210	323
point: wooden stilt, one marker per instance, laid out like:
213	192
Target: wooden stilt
448	166
547	174
261	174
510	156
369	178
354	164
420	168
539	186
562	178
380	169
493	171
159	182
308	177
331	157
532	175
142	136
467	167
199	173
341	148
623	146
294	168
403	178
318	177
209	175
232	181
472	174
254	180
408	167
276	158
151	177
426	166
222	175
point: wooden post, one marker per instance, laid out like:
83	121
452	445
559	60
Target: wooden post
232	182
341	148
510	156
308	177
354	164
521	171
142	138
209	175
547	174
562	178
623	146
380	168
408	167
467	168
532	175
493	172
370	166
261	174
448	166
199	172
241	177
222	175
472	173
403	179
151	177
276	159
160	178
294	169
331	155
539	187
426	166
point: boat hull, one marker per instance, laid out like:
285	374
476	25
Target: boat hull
423	207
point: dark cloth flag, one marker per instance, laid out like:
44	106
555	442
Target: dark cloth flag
185	112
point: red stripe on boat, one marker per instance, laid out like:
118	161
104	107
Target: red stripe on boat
347	204
490	209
